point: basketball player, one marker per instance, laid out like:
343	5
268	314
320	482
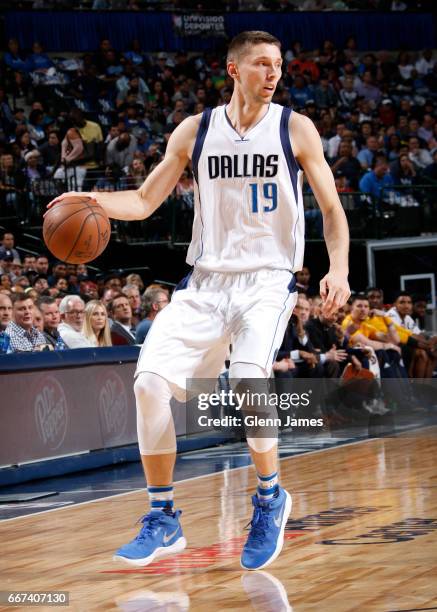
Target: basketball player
248	241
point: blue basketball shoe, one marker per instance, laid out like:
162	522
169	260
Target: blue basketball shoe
266	535
160	535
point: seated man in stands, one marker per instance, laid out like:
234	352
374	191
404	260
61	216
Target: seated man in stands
154	300
133	295
300	355
122	330
5	311
360	333
24	337
51	318
323	336
423	351
72	309
7	244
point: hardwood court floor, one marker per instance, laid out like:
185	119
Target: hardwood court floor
362	537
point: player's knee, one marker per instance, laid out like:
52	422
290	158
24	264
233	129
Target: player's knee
262	445
149	386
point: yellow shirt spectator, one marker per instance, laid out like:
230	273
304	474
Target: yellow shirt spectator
380	323
91	132
364	328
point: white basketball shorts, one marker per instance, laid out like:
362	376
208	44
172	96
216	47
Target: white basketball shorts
190	338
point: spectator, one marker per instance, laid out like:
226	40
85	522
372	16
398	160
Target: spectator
33	170
38	60
120	151
348	95
405	66
8	246
347	164
51	151
359	331
38	321
73	160
377	180
412	346
334	142
132	293
420	305
91	134
300	92
122	330
367	90
403	171
42	265
29	264
24	337
297	347
419	156
324	94
367	154
323	335
431	170
136	175
154	300
303	278
401	313
40	284
88	290
303	65
59	270
135	279
425	64
36	127
12	186
108	296
72	309
425	362
5	282
426	130
15	59
25	143
51	320
5	311
96	325
185	190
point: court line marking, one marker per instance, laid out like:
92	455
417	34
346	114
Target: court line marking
242	467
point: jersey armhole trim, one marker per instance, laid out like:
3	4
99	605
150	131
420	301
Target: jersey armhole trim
284	132
200	139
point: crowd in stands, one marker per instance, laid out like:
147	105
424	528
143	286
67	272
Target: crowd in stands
101	121
365	331
60	306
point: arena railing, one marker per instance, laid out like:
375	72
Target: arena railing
407	210
401	210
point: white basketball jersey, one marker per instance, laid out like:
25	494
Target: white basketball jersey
248	196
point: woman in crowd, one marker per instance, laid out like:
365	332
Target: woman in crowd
96	324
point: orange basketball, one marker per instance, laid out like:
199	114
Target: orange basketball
76	229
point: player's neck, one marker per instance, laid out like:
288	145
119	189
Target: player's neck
244	114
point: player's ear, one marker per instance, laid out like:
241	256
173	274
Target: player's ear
232	69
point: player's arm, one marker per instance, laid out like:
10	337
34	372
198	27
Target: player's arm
140	204
307	148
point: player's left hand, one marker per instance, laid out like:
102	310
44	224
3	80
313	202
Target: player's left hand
334	291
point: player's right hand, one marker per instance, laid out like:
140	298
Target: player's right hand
69	194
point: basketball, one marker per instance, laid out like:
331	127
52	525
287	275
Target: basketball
76	230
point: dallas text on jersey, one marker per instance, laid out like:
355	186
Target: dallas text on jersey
239	166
